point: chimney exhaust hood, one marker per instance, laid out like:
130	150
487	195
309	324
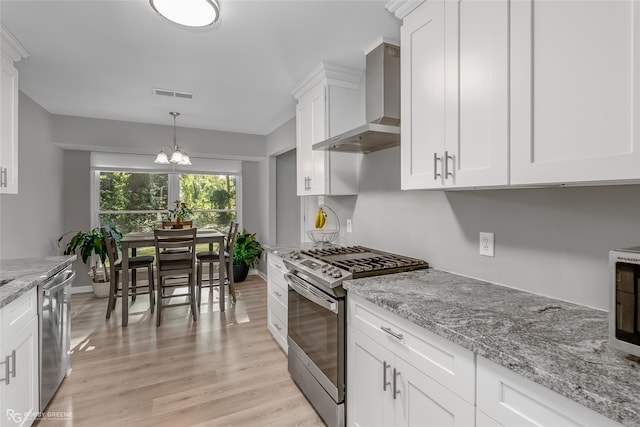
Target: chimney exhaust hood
382	96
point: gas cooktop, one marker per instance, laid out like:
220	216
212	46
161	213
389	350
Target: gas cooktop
362	262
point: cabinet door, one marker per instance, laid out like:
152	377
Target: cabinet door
423	54
477	142
369	370
311	128
574	104
19	398
8	127
423	402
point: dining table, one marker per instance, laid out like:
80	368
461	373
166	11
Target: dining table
131	241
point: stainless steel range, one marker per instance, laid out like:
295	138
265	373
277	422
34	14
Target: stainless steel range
316	317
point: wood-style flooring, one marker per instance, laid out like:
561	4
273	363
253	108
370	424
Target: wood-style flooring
223	370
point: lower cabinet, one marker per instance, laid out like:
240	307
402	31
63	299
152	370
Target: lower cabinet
508	399
19	361
390	376
399	374
277	302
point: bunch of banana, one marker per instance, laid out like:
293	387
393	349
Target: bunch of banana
321	218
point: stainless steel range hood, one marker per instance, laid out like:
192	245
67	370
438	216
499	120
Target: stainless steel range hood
382	106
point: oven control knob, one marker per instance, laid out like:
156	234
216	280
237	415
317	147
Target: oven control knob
324	268
337	274
295	255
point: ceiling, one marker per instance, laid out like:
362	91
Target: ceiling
101	59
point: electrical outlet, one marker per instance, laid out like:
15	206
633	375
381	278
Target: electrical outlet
349	226
486	244
320	201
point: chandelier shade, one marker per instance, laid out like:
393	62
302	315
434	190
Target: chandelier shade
178	155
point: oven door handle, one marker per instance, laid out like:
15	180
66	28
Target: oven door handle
311	294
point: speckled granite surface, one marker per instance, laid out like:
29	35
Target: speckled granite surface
26	273
559	345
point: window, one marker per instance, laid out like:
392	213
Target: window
138	201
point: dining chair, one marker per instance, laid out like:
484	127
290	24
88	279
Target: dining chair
212	258
175	259
115	268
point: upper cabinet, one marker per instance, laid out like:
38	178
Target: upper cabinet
574	104
527	92
455	94
329	103
12	51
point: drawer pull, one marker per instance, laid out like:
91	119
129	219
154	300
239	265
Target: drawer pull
277	326
390	332
277	293
384	375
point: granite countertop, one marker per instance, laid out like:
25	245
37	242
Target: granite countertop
559	345
27	273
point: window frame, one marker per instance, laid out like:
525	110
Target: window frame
173	191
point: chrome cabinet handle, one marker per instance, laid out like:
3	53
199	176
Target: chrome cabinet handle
436	159
390	332
384	375
9	367
447	157
395	376
3	177
13	363
277	293
277	326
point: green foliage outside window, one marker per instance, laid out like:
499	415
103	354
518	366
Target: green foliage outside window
143	200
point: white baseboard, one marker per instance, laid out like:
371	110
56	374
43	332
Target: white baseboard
259	273
81	289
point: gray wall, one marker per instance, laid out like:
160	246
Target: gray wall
32	221
287	202
550	241
77	212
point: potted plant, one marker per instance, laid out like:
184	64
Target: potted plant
180	212
92	242
246	252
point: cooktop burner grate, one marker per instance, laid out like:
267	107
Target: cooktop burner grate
362	262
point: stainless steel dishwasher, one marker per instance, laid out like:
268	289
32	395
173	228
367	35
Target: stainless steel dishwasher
54	303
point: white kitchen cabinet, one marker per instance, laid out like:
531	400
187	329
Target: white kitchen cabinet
509	399
277	301
575	98
398	376
19	386
329	103
455	95
12	52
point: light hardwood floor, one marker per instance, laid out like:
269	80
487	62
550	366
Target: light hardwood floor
223	370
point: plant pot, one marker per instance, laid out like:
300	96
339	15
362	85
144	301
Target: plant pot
240	272
101	289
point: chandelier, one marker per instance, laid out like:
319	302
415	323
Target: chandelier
178	156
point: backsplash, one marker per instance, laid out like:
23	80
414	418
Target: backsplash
549	241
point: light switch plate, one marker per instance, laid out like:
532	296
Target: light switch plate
486	244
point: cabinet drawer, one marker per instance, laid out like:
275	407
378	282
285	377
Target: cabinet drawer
511	399
18	313
447	363
277	318
278	292
276	270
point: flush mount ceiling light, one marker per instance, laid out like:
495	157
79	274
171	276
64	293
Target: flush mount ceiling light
178	156
190	13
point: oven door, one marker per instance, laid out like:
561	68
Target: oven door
316	333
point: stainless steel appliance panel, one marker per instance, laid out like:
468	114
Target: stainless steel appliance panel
316	327
54	328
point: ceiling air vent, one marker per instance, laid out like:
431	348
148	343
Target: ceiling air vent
172	93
